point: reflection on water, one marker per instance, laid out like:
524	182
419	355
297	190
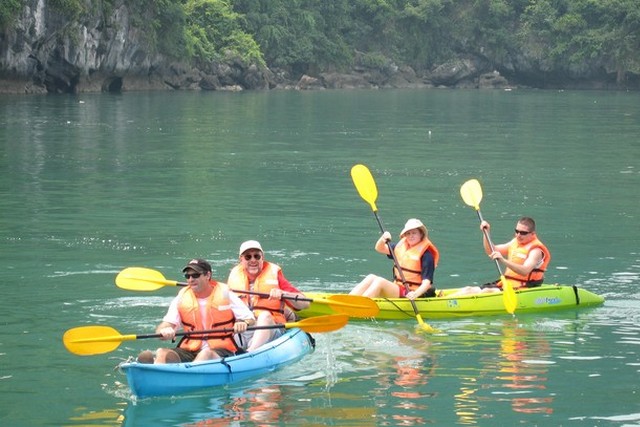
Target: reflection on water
262	406
499	370
521	375
513	373
510	365
257	406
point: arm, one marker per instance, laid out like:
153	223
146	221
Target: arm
502	248
242	313
170	322
287	289
381	244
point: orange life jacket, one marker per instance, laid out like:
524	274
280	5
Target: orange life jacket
410	261
518	254
218	316
266	280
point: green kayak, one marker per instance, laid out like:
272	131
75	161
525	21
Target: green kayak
542	299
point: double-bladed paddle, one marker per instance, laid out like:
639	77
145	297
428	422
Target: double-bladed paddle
146	279
367	189
89	340
471	193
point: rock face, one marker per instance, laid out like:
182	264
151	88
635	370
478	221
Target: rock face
42	53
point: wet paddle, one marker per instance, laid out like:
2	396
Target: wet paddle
471	193
368	191
89	340
146	279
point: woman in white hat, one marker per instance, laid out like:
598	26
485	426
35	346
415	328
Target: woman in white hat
417	257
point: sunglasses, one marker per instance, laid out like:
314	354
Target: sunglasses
522	233
192	275
255	256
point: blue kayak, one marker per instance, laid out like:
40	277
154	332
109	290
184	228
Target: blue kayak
147	380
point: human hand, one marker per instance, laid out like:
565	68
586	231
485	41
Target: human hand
386	236
168	333
496	255
411	295
240	326
484	225
275	293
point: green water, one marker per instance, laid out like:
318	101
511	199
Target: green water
95	183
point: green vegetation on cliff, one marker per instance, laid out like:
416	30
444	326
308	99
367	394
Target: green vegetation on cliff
574	38
9	10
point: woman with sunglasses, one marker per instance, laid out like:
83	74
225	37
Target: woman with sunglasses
525	258
255	274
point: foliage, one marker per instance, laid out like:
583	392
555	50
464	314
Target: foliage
162	23
9	10
72	9
581	32
213	31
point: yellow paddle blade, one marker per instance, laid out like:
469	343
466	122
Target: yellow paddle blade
425	327
142	279
320	323
471	193
509	296
87	340
364	183
351	305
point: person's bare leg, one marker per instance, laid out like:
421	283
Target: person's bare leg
166	355
262	336
145	356
206	354
382	288
362	287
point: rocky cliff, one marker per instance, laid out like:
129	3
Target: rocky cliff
44	51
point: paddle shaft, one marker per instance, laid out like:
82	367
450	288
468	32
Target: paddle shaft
486	236
130	337
260	294
265	295
208	331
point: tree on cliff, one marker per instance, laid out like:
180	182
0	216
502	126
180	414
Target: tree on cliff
573	35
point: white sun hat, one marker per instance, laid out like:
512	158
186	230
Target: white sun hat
412	224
